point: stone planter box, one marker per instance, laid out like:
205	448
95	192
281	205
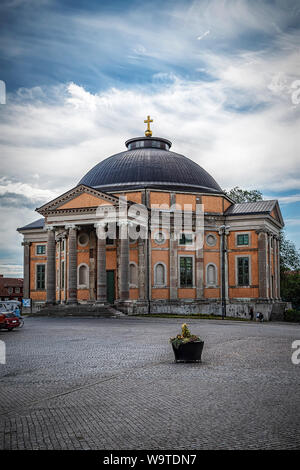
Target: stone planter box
189	352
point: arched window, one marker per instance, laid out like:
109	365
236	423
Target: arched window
133	275
211	275
83	275
160	274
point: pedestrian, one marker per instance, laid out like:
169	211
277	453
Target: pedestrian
17	312
261	317
251	313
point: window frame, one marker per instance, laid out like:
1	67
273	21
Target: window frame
44	245
133	285
237	270
36	276
210	234
213	284
87	240
238	234
184	234
193	271
156	285
83	286
161	242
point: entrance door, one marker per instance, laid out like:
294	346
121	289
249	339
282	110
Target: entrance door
110	286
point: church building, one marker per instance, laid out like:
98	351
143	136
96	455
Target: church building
236	268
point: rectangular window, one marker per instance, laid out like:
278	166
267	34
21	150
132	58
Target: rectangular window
186	239
243	239
186	271
40	276
243	271
41	249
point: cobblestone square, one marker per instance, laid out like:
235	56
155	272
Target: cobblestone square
106	383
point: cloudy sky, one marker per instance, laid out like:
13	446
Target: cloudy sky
221	80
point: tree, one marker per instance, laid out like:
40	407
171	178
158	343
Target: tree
289	271
289	255
243	195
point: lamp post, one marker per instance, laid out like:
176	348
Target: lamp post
223	231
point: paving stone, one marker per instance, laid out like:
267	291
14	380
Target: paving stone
100	383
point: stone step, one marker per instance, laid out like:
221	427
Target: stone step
80	310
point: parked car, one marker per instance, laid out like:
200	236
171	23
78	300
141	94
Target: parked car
10	305
5	308
8	321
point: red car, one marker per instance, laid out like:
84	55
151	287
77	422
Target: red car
8	321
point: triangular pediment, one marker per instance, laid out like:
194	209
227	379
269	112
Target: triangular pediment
78	198
276	213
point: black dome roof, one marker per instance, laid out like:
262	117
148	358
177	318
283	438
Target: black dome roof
145	165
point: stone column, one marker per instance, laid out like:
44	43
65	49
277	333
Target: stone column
101	270
72	265
226	264
58	271
50	267
124	262
199	273
142	268
65	267
278	269
174	272
26	268
271	287
275	267
262	263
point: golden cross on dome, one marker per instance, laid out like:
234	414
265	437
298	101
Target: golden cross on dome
148	132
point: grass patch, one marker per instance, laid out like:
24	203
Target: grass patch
196	316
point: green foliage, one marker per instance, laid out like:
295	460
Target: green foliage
289	271
290	288
292	315
242	195
289	255
185	332
185	337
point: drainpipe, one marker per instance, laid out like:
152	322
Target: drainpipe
222	231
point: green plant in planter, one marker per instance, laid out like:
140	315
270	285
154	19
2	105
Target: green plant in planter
185	337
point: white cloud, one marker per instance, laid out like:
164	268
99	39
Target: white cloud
242	126
203	35
292	222
286	199
11	270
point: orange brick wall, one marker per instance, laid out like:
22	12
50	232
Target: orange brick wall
84	200
135	197
183	199
212	204
186	293
159	198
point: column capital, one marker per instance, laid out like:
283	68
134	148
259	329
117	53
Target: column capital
100	224
72	226
261	230
26	243
49	228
